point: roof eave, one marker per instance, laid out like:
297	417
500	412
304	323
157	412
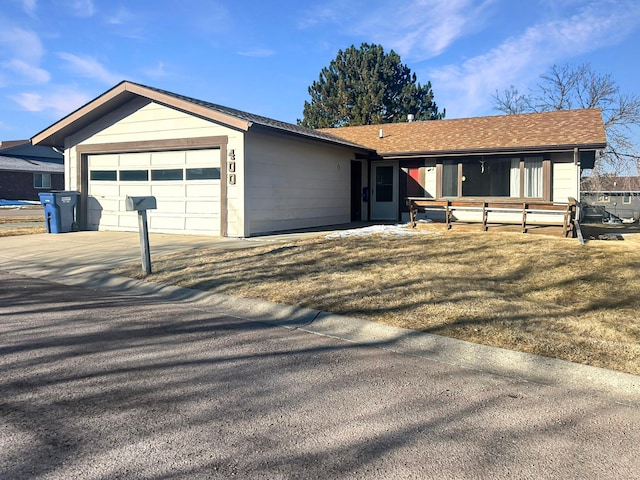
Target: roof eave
51	136
330	139
117	96
605	190
487	151
189	107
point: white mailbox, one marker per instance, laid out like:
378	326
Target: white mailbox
140	203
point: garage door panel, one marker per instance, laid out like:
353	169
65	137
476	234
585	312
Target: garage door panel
195	190
106	203
168	159
132	160
171	206
106	219
134	190
99	162
202	224
99	189
209	158
167	222
189	206
128	220
212	207
168	190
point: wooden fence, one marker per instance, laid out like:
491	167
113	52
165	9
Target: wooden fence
500	212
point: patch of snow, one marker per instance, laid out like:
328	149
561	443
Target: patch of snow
17	203
399	230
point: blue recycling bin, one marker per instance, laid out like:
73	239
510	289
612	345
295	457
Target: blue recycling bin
59	210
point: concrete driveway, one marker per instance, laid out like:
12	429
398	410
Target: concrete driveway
99	251
107	377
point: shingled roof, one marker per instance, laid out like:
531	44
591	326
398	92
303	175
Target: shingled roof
611	184
550	131
19	164
125	91
21	156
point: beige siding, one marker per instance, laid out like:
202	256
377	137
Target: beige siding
235	192
142	120
292	183
70	169
565	176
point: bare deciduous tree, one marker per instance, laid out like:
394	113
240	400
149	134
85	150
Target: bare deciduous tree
567	87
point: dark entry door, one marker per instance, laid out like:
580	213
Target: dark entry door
356	191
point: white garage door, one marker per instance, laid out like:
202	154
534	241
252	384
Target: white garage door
186	185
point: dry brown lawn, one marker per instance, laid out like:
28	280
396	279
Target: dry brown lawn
21	219
26	215
533	293
13	231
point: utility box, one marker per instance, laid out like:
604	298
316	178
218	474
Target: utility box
59	211
140	203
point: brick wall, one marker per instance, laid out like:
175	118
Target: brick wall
19	185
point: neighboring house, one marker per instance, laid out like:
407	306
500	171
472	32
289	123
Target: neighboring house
527	157
220	171
608	195
26	170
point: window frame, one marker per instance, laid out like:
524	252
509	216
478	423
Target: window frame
212	173
450	164
41	184
132	172
108	175
166	174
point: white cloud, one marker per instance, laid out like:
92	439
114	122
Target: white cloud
29	6
416	29
31	102
328	12
423	29
16	42
21	52
60	100
466	89
121	17
158	71
210	18
79	8
89	67
27	72
257	52
124	23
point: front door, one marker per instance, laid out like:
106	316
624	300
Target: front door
356	191
384	191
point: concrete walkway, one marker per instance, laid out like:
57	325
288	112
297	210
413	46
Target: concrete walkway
84	259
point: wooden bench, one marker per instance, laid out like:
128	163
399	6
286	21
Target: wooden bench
525	213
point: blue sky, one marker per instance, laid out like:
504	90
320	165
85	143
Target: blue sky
261	56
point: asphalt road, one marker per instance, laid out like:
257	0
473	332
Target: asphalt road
101	386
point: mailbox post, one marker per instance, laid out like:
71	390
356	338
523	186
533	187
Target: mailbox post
141	205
